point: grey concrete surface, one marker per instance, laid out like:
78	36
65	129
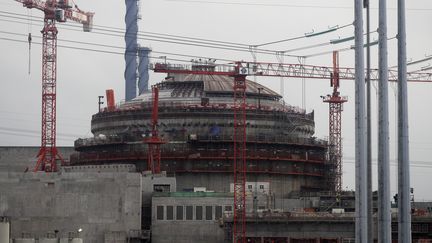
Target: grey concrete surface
98	203
185	231
18	158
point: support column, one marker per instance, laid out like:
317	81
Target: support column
384	211
404	206
361	227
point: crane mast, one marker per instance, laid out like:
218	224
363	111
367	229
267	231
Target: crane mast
154	142
54	11
335	102
239	221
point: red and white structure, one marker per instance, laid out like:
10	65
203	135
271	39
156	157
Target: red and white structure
239	227
54	11
154	141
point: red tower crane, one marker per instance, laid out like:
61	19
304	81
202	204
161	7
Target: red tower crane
335	102
55	11
239	107
154	142
239	71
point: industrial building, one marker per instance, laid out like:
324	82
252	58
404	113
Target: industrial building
196	121
204	156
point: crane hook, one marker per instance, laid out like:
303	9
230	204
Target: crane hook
29	38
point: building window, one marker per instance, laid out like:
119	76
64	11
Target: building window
250	187
179	213
228	208
161	188
159	212
198	212
209	213
170	212
218	212
261	187
189	212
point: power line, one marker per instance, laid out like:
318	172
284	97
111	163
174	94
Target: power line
284	5
259	4
158	58
59	137
122	48
147	36
28	131
182	39
422	164
143	32
268	52
209	45
299	37
168	53
93	50
157	37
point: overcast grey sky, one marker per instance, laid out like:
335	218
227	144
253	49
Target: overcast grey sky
83	75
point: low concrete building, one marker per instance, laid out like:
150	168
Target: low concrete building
185	217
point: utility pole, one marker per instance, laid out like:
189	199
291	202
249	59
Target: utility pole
370	220
361	226
384	211
404	206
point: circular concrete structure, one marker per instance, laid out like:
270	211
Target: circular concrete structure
196	119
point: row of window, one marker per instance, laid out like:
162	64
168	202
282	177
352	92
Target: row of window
190	212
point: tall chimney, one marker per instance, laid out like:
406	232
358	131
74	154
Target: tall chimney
130	74
143	75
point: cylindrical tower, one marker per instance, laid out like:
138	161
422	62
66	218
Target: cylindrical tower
143	69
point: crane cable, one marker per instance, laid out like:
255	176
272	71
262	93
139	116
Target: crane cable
29	37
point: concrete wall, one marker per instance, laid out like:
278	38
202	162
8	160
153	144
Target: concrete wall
17	159
303	229
98	203
186	231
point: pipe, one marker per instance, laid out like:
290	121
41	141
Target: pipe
110	99
404	212
384	211
361	227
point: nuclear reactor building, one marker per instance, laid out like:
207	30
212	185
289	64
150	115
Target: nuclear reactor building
196	122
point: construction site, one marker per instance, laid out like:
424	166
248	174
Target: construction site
203	151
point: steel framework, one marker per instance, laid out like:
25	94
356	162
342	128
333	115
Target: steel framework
285	70
239	227
54	11
154	142
335	102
